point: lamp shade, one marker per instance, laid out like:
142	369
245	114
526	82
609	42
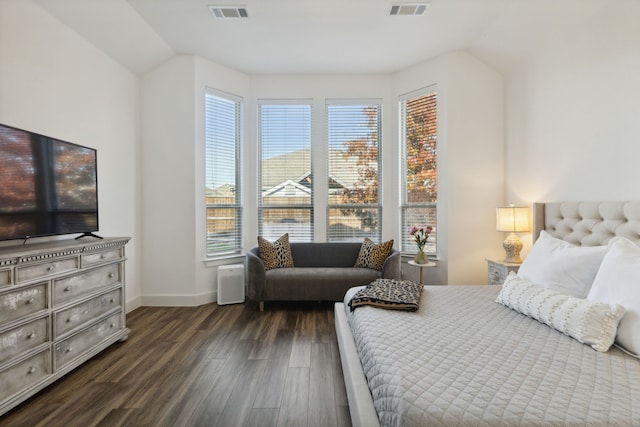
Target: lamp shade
512	219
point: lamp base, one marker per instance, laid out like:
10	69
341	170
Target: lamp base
512	247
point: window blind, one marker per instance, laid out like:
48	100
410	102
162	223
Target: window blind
286	180
222	178
418	133
354	162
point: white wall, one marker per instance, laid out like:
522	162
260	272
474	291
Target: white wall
470	162
209	74
573	109
55	83
174	264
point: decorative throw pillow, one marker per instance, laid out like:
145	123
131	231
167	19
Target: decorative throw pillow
618	282
561	266
389	293
590	322
276	254
372	255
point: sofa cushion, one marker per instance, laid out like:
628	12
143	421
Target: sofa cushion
315	283
276	254
373	255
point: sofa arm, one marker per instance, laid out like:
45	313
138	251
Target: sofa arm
256	278
391	267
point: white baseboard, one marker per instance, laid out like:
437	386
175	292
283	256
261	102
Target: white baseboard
132	304
178	300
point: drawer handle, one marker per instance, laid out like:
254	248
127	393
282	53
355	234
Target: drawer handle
69	320
50	268
68	288
110	275
30	301
69	350
30	335
112	325
112	300
103	256
32	370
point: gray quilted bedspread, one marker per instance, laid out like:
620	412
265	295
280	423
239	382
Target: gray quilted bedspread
463	359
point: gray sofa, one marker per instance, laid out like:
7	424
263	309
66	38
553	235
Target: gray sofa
322	272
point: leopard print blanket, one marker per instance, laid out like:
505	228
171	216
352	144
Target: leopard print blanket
390	294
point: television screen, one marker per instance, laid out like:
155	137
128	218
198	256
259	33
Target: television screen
47	186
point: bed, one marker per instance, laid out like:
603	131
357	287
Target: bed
464	359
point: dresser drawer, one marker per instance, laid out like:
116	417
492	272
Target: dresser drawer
22	302
5	277
37	271
101	257
74	346
24	374
22	338
78	315
499	270
68	288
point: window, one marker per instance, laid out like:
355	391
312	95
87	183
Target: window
286	186
222	164
418	136
354	158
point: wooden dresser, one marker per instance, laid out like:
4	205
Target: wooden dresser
61	303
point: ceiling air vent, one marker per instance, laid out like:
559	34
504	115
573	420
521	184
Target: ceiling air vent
414	9
229	11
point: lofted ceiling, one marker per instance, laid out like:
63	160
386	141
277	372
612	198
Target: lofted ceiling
319	36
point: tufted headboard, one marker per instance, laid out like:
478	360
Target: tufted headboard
588	223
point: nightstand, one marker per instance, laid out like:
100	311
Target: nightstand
421	266
499	270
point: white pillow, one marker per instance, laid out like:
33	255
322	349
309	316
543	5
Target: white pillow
618	282
561	266
590	322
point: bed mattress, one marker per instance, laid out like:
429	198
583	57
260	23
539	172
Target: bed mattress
463	359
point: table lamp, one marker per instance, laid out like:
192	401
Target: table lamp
512	219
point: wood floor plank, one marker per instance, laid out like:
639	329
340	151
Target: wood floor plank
263	417
209	410
338	376
191	393
300	352
344	418
204	366
322	407
238	408
295	400
269	394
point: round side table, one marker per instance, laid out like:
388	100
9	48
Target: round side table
422	267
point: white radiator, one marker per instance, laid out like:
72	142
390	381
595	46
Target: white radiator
230	284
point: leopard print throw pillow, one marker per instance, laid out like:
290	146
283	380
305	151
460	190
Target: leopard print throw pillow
276	254
372	255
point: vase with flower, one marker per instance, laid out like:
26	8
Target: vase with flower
421	235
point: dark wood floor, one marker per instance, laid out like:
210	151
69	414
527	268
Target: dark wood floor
205	366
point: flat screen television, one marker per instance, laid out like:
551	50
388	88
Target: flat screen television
47	186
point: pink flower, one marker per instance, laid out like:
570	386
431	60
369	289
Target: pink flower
420	235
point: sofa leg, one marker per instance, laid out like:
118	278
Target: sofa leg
261	304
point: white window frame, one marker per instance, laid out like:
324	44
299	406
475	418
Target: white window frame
236	237
296	233
408	245
375	235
